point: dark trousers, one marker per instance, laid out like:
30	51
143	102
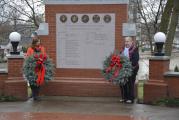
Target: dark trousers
127	90
35	91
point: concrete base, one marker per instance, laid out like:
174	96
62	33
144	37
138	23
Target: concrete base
172	79
154	91
16	88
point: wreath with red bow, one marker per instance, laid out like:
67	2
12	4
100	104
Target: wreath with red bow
38	69
117	69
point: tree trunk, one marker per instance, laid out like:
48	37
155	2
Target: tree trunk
150	41
149	38
166	17
172	28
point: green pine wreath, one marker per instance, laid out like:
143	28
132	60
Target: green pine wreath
124	72
29	69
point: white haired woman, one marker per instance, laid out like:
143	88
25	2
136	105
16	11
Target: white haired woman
131	51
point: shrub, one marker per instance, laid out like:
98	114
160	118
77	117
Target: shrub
176	69
4	98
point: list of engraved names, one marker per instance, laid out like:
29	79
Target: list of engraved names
84	40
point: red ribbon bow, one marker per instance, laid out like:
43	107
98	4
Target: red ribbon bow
115	63
39	68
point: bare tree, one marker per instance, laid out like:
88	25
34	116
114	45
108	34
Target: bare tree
4	23
172	28
150	14
20	15
28	11
3	12
166	16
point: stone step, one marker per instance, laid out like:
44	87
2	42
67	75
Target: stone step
79	79
154	90
81	99
155	81
81	87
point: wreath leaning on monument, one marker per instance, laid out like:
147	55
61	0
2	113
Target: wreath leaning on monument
38	69
117	68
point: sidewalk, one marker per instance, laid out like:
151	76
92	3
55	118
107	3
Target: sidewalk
86	108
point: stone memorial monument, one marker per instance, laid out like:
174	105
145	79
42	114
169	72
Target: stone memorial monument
81	33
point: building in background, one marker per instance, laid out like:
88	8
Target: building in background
176	39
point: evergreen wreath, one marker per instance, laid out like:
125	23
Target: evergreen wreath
117	68
32	66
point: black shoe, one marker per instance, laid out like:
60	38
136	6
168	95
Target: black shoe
37	99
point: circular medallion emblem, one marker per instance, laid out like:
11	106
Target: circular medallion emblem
74	18
85	18
63	18
96	18
107	18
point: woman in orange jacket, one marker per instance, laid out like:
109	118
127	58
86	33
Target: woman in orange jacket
35	47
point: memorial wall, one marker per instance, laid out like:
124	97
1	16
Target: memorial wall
81	34
86	1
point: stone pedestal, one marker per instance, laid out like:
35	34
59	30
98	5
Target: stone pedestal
156	88
172	79
3	77
15	85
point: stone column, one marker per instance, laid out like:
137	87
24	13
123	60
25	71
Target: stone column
15	85
156	87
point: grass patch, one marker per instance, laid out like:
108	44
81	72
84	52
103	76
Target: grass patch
4	98
29	92
168	102
140	91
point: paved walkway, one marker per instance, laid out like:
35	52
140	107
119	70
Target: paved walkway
83	108
63	116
